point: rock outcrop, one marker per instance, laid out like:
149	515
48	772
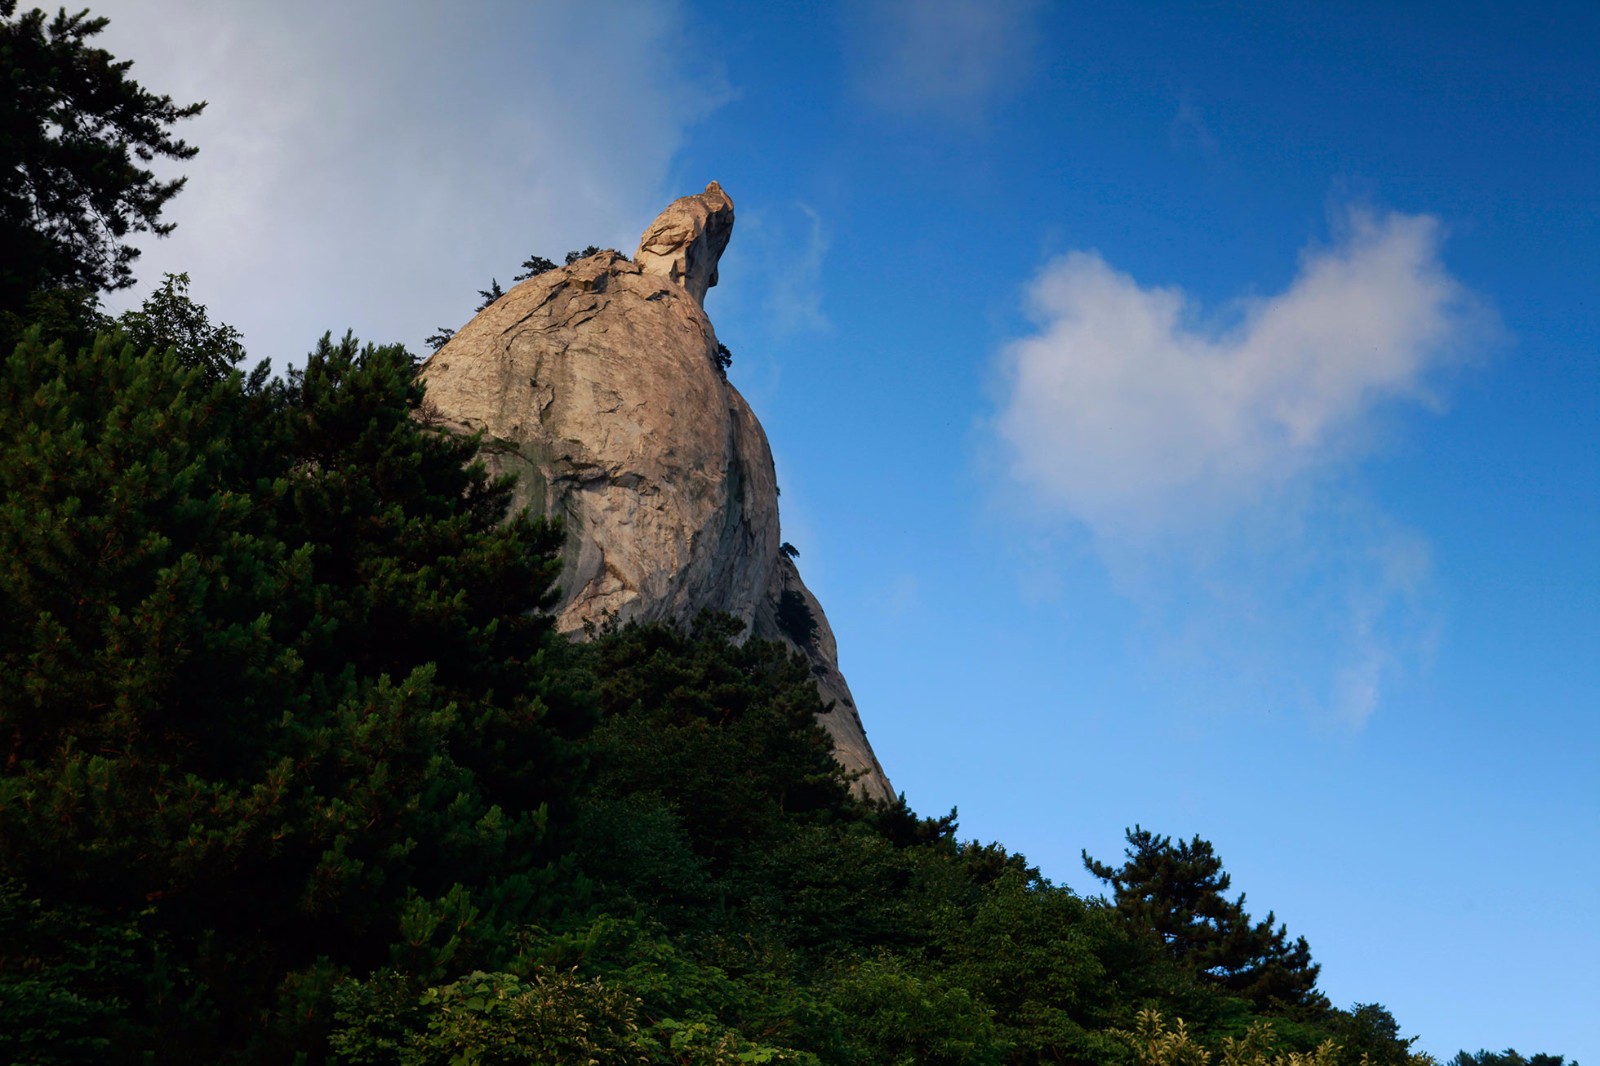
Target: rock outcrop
685	241
597	385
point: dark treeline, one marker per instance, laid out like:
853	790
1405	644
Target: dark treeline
294	767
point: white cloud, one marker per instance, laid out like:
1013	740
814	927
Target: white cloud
1386	623
1212	466
946	57
1124	411
367	165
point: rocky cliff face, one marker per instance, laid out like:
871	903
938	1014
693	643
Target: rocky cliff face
597	385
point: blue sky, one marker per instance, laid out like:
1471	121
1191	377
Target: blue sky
1188	414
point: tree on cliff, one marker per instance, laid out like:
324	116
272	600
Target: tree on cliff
491	294
533	266
1177	892
75	134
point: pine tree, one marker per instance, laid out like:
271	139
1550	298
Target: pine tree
533	266
438	338
1177	892
728	731
491	294
276	660
1508	1057
75	133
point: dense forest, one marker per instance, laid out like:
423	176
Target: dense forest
296	768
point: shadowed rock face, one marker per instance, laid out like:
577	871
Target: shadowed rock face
597	385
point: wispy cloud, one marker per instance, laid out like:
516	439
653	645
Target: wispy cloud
796	296
1386	618
368	168
1209	452
776	271
1189	129
950	58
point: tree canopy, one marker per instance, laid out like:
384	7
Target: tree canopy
1177	892
274	653
1508	1057
168	318
76	135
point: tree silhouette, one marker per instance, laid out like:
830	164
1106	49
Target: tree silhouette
1177	893
75	133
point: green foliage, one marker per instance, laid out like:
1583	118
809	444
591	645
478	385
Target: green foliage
693	1003
1154	1043
438	338
535	265
1177	893
170	319
723	358
903	827
294	763
277	664
1508	1057
71	315
642	1002
1048	964
899	1018
491	294
1368	1035
62	970
75	133
490	1018
724	735
795	618
583	253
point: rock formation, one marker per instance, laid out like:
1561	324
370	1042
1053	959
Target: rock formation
597	385
685	241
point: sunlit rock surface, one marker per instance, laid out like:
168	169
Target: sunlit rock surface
597	385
